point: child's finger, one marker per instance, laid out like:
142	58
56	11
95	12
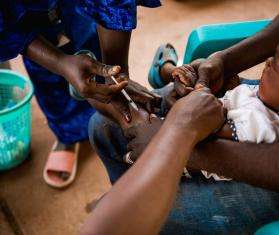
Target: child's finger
181	89
105	89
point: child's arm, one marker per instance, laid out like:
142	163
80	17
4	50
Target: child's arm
225	132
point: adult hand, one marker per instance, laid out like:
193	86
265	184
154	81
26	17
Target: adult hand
200	113
79	69
185	78
210	72
200	73
140	94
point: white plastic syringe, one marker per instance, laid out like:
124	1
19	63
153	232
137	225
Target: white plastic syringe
131	102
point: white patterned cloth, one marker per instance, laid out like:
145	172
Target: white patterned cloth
254	122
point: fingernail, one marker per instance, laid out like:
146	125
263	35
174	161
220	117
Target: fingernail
127	117
199	86
115	69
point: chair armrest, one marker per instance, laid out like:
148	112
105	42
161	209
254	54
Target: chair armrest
208	39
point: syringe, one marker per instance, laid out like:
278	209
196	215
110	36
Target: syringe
131	102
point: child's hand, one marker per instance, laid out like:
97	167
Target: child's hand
185	79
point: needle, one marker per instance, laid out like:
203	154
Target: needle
131	102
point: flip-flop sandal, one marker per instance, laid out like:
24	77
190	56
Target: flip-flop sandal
73	92
60	162
165	53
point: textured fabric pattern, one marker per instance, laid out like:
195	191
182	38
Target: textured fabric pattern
254	121
77	16
67	117
115	14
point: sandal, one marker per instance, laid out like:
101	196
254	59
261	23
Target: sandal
59	164
165	53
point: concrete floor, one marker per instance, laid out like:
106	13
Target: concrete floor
40	210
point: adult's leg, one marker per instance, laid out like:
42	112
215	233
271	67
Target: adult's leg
209	207
202	206
108	139
110	144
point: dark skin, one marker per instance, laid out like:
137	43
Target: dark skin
220	66
110	110
143	207
269	85
240	161
78	70
268	93
120	55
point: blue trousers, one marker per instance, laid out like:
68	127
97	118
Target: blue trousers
202	206
66	117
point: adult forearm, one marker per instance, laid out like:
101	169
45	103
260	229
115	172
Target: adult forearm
256	164
140	201
251	51
45	54
115	47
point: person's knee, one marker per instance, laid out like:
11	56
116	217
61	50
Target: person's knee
94	127
98	129
106	137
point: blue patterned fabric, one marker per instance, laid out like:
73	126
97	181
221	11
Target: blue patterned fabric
115	14
67	118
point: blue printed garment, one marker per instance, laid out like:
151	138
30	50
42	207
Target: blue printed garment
67	118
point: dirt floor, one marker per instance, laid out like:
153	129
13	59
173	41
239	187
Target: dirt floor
41	210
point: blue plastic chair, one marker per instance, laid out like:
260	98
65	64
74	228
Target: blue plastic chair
208	39
269	229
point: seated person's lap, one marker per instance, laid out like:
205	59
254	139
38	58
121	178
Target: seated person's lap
202	206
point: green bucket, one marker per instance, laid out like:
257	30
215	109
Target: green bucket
16	92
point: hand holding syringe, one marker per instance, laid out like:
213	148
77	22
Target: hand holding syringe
128	98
